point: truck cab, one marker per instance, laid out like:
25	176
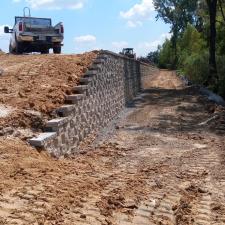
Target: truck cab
31	34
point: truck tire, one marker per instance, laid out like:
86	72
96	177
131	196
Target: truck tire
57	50
45	51
19	48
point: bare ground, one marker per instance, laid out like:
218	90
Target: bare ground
161	166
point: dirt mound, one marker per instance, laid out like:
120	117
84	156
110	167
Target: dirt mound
38	83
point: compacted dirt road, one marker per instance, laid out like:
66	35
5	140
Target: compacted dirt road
163	164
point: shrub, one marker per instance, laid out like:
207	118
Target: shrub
195	67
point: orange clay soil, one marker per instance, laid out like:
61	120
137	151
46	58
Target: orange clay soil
38	83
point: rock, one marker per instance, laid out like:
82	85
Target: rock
216	207
31	104
70	78
200	190
8	131
130	205
21	95
5	110
82	216
174	208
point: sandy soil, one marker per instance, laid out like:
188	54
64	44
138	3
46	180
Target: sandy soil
160	166
165	80
35	85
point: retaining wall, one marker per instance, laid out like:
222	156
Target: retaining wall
105	89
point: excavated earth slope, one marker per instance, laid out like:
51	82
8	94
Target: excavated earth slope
32	86
164	164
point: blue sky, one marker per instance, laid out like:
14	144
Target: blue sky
94	24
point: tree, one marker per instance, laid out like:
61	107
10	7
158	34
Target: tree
166	55
178	13
153	57
213	77
191	43
221	3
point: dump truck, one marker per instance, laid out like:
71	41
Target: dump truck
129	52
32	34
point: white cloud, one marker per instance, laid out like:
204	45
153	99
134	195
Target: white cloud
144	48
149	46
133	24
85	39
138	13
117	46
54	4
165	36
85	43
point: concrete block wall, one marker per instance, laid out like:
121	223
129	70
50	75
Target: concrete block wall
110	83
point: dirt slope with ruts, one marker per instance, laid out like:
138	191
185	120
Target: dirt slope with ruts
163	164
32	85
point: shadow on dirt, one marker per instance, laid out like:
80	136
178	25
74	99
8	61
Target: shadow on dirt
187	109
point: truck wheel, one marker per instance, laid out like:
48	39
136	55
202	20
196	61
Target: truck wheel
45	51
57	50
19	48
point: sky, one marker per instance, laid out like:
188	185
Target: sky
94	24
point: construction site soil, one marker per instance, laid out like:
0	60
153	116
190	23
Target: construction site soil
163	164
32	86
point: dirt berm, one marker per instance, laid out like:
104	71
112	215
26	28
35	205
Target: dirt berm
32	86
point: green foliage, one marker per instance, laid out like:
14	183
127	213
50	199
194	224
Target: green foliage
191	40
166	55
221	73
191	43
178	13
196	67
153	57
221	39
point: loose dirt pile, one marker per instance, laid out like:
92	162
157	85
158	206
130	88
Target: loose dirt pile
35	85
158	167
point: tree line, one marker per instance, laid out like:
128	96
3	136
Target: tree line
196	48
